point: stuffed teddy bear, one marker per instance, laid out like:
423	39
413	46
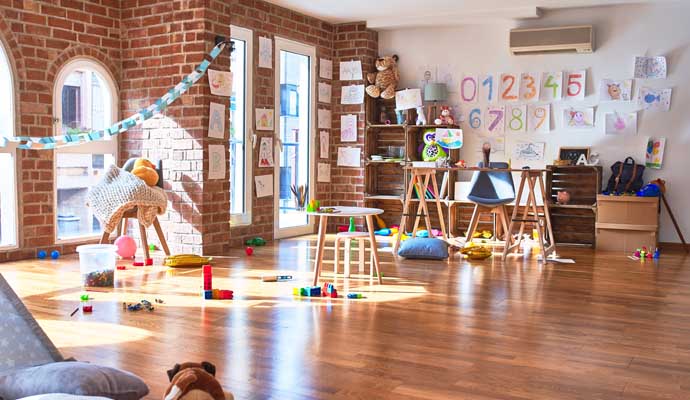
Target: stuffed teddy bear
194	381
445	118
385	80
146	171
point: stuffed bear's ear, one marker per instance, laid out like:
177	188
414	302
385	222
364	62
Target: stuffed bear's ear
395	57
172	372
208	367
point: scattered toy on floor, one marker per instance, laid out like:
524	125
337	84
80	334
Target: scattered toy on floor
256	242
276	278
355	296
138	264
308	291
186	261
152	247
208	292
474	252
126	246
54	254
86	306
249	250
142	305
121	268
189	381
148	262
41	254
644	253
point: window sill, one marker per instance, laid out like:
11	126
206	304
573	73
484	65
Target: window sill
80	239
8	247
237	220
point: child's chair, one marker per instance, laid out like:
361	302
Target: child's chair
490	192
362	239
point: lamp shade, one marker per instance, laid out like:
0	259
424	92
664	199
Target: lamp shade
435	92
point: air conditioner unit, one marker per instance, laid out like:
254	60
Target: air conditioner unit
567	39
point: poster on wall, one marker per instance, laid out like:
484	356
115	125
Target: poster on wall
323	172
487	93
216	120
578	118
325	68
516	118
352	94
615	90
529	151
621	123
264	185
650	67
349	156
265	52
351	70
655	99
468	89
529	86
324	92
266	152
324	141
348	128
494	120
551	86
510	87
216	161
655	152
264	119
539	118
575	84
472	121
324	118
220	82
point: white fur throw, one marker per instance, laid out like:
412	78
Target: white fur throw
118	192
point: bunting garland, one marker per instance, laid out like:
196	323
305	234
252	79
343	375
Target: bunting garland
53	142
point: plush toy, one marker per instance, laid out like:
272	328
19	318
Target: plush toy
384	81
432	150
194	381
445	118
146	171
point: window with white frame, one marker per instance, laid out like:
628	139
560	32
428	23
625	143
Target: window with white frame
8	194
85	99
240	127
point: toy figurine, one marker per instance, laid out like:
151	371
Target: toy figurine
421	118
445	118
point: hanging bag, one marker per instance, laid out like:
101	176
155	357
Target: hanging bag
626	177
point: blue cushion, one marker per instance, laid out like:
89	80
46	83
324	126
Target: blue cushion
424	249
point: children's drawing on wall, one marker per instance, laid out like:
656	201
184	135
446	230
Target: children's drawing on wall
325	68
650	67
324	92
324	118
449	138
655	99
615	90
539	118
494	121
264	119
621	123
323	172
220	82
348	128
324	139
407	99
578	118
216	161
575	85
529	151
497	143
655	152
429	73
352	94
266	152
216	120
265	52
349	156
351	70
264	185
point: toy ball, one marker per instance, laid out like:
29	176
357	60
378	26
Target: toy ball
54	254
126	246
249	250
41	255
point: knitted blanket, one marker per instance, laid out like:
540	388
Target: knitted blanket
118	192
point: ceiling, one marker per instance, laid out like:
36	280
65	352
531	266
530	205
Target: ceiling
390	14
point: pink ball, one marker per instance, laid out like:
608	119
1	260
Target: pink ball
126	246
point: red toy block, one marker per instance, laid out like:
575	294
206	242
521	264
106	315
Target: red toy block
207	272
121	268
334	294
87	309
149	261
226	294
138	264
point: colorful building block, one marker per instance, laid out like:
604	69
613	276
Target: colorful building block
225	294
334	294
149	261
207	273
314	291
208	294
354	295
138	264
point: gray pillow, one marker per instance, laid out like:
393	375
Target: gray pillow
72	378
424	249
61	396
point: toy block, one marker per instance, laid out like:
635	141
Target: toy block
138	264
225	294
208	294
334	294
121	268
295	291
304	291
216	294
354	295
315	291
149	261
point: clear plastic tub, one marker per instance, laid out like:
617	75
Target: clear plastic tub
97	265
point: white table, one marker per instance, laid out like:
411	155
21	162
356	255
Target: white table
345	212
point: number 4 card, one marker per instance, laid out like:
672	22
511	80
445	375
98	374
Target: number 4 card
551	86
575	85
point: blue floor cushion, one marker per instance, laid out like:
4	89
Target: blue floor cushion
424	249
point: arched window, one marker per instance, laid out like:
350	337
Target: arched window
8	194
84	99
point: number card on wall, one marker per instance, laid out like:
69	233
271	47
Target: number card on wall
510	87
486	88
495	120
469	89
539	118
516	118
575	85
529	86
473	120
551	86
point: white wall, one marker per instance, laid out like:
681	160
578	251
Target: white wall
621	33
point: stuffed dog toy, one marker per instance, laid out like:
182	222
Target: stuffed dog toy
194	381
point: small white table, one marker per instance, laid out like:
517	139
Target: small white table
340	212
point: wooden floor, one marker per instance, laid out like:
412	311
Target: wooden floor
603	328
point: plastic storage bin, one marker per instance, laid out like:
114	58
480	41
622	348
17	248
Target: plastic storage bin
97	265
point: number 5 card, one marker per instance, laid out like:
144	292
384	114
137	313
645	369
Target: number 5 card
575	85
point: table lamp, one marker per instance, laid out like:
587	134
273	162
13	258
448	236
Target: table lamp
434	92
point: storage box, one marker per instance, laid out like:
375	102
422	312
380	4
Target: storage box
625	223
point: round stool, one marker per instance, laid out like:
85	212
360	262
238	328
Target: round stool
362	238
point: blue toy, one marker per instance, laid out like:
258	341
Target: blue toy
54	254
315	291
383	232
649	190
41	254
354	295
422	233
656	254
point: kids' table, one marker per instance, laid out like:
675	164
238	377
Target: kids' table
345	212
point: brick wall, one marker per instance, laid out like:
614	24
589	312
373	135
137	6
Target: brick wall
269	20
40	37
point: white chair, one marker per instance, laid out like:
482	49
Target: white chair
362	239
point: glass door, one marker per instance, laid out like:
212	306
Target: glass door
294	123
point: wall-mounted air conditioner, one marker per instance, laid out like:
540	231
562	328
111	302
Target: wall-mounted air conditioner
567	39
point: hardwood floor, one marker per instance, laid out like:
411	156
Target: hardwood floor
604	328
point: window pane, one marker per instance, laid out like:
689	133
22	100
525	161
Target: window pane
238	128
76	174
86	102
8	222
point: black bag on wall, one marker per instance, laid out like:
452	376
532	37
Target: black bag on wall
626	176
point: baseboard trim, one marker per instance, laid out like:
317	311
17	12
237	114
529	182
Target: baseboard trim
674	246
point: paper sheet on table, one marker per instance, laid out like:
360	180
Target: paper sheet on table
351	70
352	94
349	156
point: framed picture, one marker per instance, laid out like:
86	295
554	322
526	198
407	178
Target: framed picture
574	154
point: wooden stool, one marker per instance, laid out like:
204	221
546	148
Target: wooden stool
362	238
